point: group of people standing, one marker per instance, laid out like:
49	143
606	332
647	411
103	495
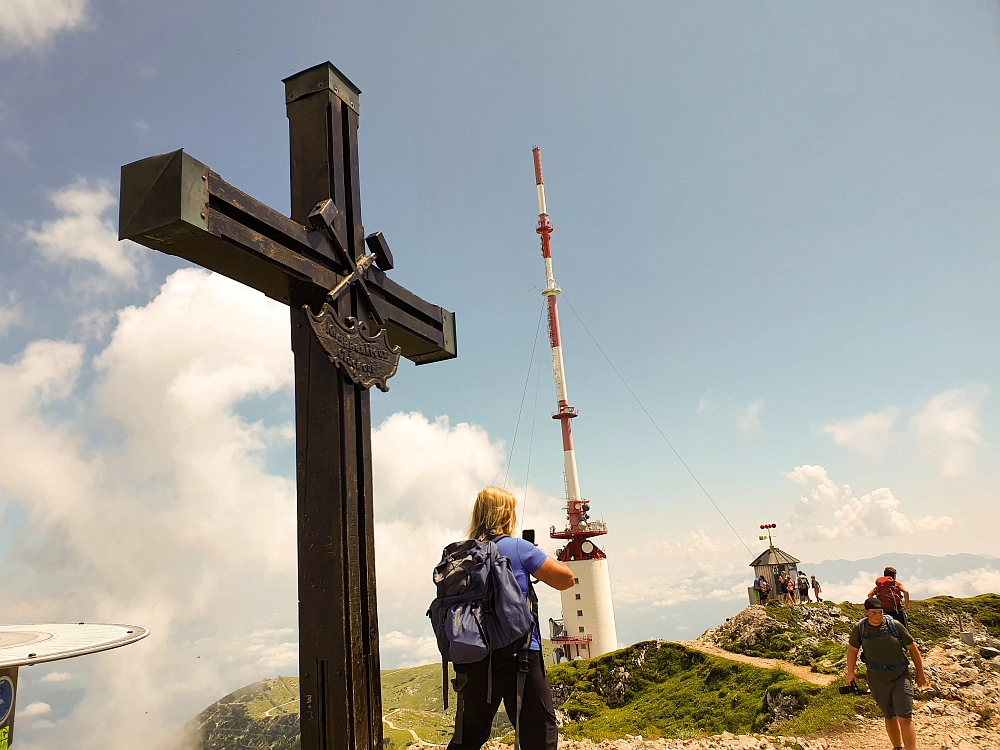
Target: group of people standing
787	589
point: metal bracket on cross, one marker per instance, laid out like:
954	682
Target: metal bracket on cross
322	219
367	360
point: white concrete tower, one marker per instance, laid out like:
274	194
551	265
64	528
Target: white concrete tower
588	625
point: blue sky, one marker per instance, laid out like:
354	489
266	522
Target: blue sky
779	222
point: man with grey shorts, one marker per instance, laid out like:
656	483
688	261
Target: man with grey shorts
884	644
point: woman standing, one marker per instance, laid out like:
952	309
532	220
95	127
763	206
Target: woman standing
494	515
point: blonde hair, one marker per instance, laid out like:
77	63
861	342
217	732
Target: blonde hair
495	511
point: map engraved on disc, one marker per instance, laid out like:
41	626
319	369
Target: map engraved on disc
366	360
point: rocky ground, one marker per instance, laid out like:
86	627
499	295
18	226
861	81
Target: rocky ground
959	710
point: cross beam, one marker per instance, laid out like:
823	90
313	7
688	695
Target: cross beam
175	204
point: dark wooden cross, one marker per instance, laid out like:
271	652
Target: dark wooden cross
177	205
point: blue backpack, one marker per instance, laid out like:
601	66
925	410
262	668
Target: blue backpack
479	610
893	633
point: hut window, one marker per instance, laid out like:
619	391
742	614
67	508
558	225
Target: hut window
577	596
581	628
579	613
576	580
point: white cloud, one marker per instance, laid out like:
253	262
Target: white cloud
85	232
141	126
868	435
405	650
675	572
34	709
949	429
10	315
18	148
149	499
154	466
32	24
748	419
705	405
53	677
833	511
426	475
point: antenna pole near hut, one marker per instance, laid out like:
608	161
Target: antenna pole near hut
768	526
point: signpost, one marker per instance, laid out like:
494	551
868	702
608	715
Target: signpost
349	325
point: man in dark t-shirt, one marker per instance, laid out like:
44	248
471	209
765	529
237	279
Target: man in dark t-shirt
885	644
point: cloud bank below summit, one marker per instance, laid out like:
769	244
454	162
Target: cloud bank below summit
145	495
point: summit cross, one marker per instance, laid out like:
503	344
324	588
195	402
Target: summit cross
349	325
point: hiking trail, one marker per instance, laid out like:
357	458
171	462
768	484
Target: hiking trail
803	673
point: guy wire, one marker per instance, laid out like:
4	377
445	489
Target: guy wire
531	443
653	422
527	377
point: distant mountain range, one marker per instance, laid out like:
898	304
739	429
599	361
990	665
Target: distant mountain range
911	567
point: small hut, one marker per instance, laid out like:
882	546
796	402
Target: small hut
769	566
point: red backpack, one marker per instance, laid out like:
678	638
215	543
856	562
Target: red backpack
887	591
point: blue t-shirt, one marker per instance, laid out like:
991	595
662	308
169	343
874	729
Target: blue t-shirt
525	558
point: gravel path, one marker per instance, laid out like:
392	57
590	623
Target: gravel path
803	673
416	740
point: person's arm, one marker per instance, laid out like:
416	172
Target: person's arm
852	661
906	596
872	593
555	574
918	664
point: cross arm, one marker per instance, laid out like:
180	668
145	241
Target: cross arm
175	204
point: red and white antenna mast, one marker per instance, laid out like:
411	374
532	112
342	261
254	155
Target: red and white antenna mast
587	628
578	529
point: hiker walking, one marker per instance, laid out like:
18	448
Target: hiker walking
765	589
884	645
757	589
515	674
803	588
817	589
893	595
789	590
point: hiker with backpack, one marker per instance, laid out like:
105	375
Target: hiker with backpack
485	618
803	584
884	645
893	595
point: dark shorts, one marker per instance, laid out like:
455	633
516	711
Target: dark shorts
896	615
895	699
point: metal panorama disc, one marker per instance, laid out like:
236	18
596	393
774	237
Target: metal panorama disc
33	644
587	547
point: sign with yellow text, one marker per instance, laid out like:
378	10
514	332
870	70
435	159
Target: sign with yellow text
8	689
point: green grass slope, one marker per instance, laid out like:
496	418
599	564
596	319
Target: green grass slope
655	688
660	689
417	688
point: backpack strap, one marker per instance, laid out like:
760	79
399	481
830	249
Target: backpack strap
459	682
444	681
892	633
522	676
